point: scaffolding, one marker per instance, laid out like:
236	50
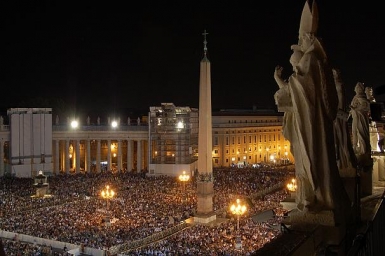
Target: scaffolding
173	134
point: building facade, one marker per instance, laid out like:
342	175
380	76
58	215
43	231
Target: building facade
163	143
249	137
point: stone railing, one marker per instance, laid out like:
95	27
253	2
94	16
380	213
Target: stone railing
48	242
126	247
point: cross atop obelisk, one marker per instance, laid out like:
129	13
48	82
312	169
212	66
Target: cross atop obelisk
205	42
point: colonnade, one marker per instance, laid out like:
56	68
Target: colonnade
96	155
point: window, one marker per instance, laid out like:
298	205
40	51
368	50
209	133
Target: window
227	140
215	141
239	140
216	151
216	160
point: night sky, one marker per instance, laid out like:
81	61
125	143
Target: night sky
104	55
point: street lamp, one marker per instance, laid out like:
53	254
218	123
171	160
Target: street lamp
184	178
292	187
107	194
272	158
238	209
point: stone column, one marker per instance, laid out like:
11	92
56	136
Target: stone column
139	156
98	156
88	162
66	156
119	155
109	164
57	154
77	155
129	154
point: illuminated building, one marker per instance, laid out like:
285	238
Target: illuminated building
239	137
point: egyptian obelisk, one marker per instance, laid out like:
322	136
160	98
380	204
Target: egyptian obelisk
205	182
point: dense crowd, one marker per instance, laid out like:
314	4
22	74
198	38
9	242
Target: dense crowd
16	248
207	240
143	206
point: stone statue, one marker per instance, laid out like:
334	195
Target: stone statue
374	135
369	94
346	159
283	98
138	120
128	121
309	127
88	120
359	110
381	137
98	120
57	120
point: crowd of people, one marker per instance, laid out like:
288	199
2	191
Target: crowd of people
16	248
143	205
217	240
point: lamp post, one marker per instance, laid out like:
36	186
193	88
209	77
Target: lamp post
238	209
272	159
292	187
184	178
107	194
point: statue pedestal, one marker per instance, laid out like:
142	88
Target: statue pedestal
350	184
205	218
320	237
366	183
289	203
41	191
366	173
325	218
